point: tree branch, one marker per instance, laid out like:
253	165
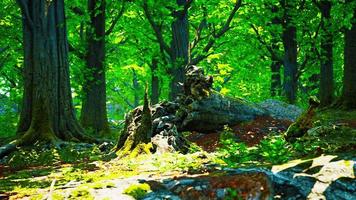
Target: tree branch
217	35
262	41
76	52
116	19
187	6
157	30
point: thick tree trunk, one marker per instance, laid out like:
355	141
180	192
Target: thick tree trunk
180	45
94	113
154	82
290	49
348	98
326	91
47	113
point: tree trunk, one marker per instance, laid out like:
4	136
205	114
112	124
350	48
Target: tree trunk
136	88
326	69
275	78
180	45
94	114
290	49
47	113
276	83
348	98
154	82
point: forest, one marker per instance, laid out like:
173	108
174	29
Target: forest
184	99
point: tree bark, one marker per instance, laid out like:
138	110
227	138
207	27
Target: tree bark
290	48
47	113
154	82
136	87
326	87
94	113
276	83
180	45
349	91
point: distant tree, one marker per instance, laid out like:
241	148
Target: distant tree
94	110
326	88
47	112
289	37
180	52
348	98
93	113
154	82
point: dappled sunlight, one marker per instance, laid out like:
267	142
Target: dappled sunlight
329	169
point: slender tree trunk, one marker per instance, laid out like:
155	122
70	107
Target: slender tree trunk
180	45
348	98
154	82
290	57
136	87
94	113
47	112
326	91
276	77
276	83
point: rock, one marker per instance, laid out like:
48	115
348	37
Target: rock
281	110
105	146
333	179
221	186
166	195
323	177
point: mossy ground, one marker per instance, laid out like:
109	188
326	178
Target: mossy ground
78	180
33	173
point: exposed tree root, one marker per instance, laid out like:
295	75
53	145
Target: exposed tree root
46	135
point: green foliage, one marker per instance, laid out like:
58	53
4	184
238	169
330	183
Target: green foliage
232	194
271	150
138	191
234	153
275	150
81	193
43	156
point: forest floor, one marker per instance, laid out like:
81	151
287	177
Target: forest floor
67	174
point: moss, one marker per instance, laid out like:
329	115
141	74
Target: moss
141	148
81	193
138	191
303	123
101	185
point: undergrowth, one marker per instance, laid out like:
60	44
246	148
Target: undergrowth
274	149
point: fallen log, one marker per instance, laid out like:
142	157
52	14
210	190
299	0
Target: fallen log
199	109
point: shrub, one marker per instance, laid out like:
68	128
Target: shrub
275	150
138	191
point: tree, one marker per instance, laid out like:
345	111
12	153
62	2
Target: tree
289	37
179	47
349	82
93	113
47	112
182	52
94	110
326	88
154	82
